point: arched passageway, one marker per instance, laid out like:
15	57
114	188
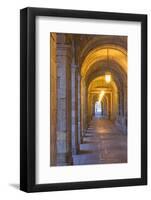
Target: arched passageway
88	99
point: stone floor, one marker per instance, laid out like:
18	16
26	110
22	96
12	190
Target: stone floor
102	143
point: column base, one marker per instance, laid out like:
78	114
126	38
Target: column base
64	159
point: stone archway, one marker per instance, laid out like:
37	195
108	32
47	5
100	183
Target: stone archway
113	59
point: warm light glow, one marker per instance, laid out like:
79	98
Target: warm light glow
108	78
101	96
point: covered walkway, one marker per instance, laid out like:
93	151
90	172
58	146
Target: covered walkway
88	99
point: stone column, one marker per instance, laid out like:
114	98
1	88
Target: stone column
53	99
93	109
90	107
121	119
83	107
79	111
125	109
121	107
64	156
86	110
117	122
109	107
74	83
102	109
105	110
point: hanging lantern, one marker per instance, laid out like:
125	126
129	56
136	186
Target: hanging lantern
107	74
108	77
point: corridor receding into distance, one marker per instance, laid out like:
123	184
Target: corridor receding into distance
88	99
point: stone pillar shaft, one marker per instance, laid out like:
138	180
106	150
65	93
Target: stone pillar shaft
64	109
79	111
53	98
74	84
83	107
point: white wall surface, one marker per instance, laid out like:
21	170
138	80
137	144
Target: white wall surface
9	99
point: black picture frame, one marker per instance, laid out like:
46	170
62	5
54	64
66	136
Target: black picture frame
28	98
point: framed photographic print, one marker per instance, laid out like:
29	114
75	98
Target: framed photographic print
83	99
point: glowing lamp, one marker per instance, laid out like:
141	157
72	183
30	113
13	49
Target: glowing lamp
108	77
